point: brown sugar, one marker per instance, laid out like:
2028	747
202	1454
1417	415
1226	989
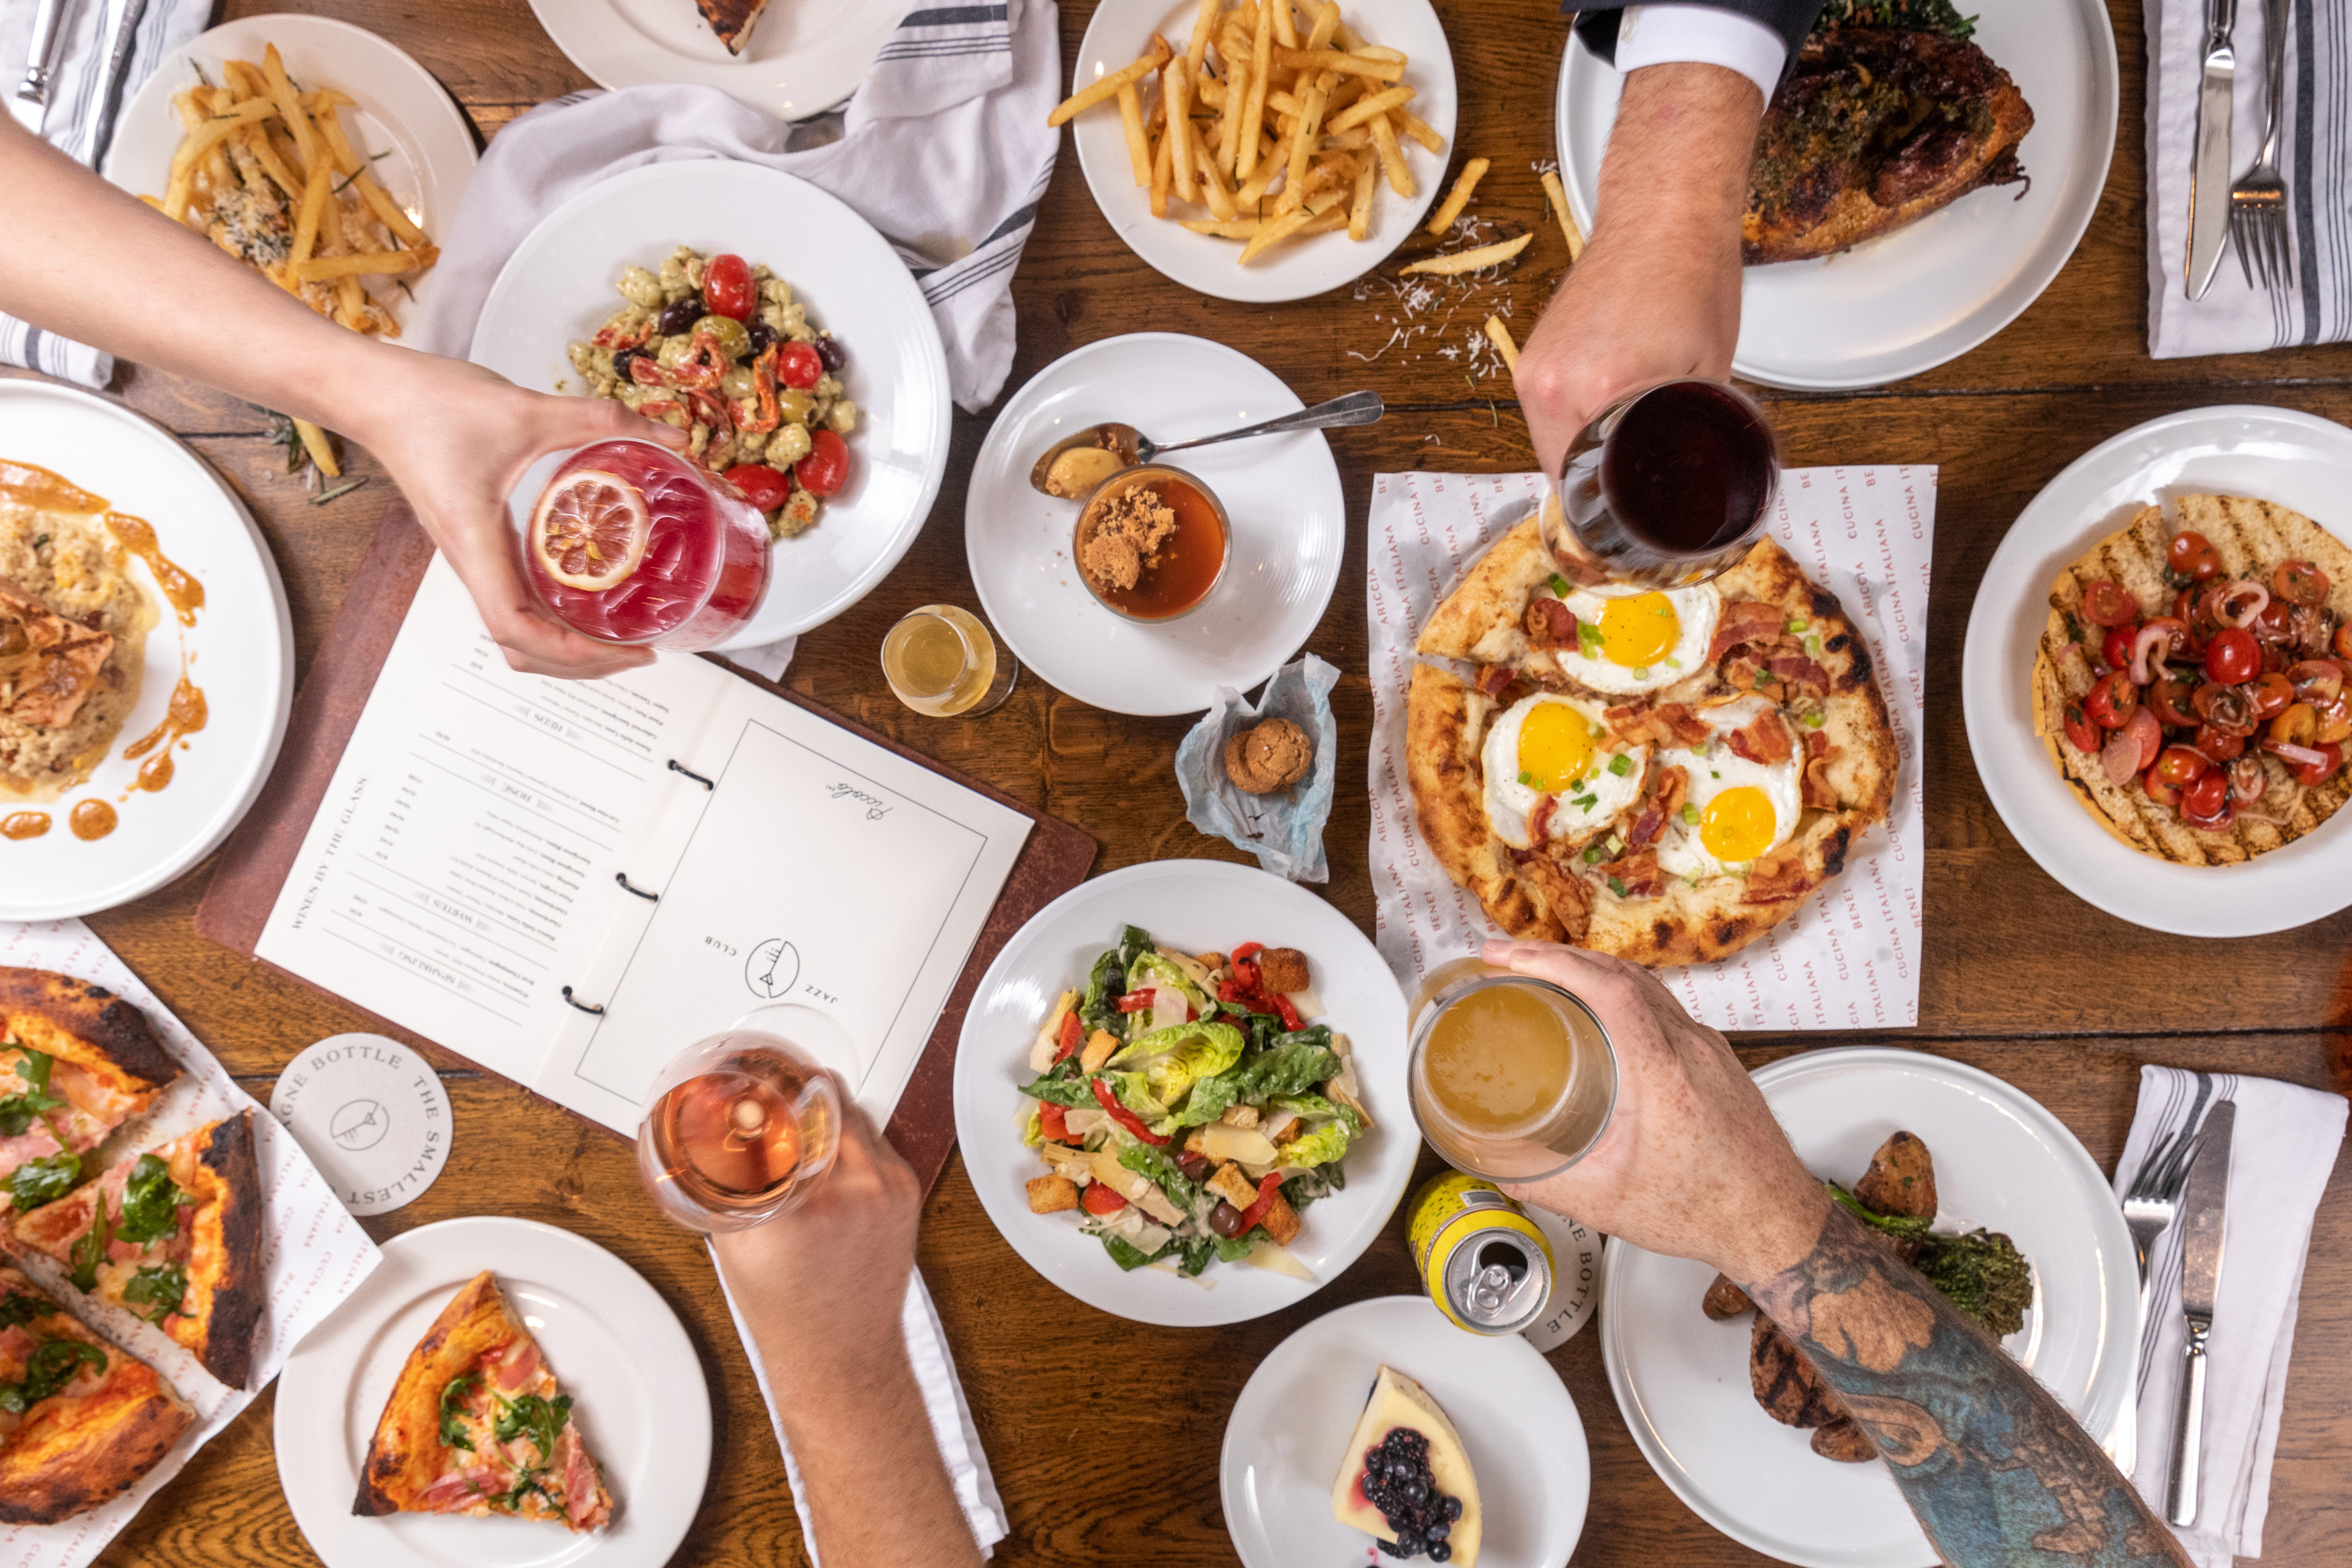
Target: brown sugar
1129	530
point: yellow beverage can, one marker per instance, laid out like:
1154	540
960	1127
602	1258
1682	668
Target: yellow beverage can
1484	1262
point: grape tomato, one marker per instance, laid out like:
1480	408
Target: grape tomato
2109	604
728	287
762	486
2232	656
2113	699
2117	648
2081	730
2300	582
2180	766
827	466
2191	554
798	367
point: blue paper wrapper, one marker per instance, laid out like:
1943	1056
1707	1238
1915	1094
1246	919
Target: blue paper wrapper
1283	830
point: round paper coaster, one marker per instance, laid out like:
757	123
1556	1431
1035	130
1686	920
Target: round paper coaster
1576	1280
373	1116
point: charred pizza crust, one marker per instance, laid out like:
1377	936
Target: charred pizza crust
732	20
93	1439
1538	899
2253	537
88	1026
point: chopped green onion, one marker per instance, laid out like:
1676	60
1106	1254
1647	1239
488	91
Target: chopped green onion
1672	664
1641	672
1621	765
1813	646
1793	627
1527	779
1712	774
1559	585
1594	854
1586	802
1617	886
1810	720
1690	814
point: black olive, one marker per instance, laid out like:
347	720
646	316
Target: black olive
830	351
761	335
621	362
680	317
1225	1220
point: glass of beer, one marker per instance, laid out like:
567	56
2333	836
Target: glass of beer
738	1129
1667	487
941	661
1512	1078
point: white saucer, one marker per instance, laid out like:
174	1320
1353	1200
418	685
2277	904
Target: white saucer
1120	32
2003	1161
1282	492
613	1344
2277	455
1895	306
1288	1433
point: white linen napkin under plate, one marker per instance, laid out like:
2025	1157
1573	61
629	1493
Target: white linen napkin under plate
1850	957
2281	1153
83	106
2315	157
943	1401
315	1255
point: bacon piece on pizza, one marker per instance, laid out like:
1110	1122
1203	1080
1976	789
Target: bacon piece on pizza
173	1235
80	1420
76	1062
732	20
477	1425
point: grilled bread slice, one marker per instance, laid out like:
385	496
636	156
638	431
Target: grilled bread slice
1875	128
732	20
2252	538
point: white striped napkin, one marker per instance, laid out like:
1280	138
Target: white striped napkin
2315	156
2281	1153
85	96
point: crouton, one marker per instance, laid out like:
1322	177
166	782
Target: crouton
1240	1116
1281	1220
1213	962
1194	1140
1099	1048
1052	1195
1283	969
1231	1184
1290	1134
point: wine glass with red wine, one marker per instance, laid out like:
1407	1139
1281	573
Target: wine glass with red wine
1667	487
738	1129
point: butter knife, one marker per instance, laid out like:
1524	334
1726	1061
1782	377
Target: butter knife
30	102
2204	1209
2208	189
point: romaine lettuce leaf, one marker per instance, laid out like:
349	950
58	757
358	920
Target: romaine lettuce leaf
1150	1162
1198	1251
1234	1249
1032	1132
1134	1092
1319	1147
1295	1064
1125	1253
1060	1090
1173	1059
1153	968
1315	1108
1099	1009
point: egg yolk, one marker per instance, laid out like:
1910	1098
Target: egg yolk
1555	747
1639	630
1738	824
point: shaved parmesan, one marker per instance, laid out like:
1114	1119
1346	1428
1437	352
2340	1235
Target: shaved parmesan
1277	1260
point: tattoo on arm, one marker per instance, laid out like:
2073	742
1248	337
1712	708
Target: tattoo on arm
1997	1470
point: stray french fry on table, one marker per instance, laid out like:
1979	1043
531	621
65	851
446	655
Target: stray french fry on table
1558	194
1500	336
1477	260
1459	197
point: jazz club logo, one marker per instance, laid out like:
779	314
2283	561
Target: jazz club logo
773	969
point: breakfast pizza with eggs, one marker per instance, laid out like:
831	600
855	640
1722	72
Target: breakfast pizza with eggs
1663	775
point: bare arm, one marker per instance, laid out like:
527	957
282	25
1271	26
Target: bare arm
1657	292
80	258
1694	1165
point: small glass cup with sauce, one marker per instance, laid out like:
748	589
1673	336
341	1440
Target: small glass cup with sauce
941	662
1180	573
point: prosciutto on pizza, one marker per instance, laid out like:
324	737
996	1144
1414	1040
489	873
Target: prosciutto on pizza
80	1420
76	1062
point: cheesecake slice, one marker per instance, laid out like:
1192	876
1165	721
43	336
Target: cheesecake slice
1406	1477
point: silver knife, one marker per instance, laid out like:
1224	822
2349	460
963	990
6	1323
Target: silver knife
30	101
2208	191
2204	1208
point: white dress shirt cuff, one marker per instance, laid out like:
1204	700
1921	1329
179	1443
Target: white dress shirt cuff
1707	34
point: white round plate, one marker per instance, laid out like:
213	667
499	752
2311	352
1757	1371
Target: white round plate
558	289
1201	906
1895	306
804	58
1282	493
427	154
240	651
2277	455
1120	34
2001	1162
613	1344
1287	1437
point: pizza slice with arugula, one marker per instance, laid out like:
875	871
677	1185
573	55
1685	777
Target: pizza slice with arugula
173	1235
80	1420
76	1062
478	1424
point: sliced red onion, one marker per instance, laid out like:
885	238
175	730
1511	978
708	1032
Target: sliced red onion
2254	597
2259	816
2285	752
2247	780
2121	758
2151	640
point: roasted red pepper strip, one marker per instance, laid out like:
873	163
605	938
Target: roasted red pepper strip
646	373
1135	1001
1052	1121
1289	1014
1125	1117
1246	951
763	372
1267	1187
1071	1030
609	338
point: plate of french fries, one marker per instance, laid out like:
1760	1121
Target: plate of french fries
1262	150
313	151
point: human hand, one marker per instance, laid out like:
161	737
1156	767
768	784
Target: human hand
456	439
1692	1164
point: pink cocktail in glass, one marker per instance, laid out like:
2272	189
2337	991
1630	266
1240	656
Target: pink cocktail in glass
631	543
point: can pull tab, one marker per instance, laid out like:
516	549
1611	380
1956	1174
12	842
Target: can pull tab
1487	1290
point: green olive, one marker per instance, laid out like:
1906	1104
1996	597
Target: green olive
733	340
796	405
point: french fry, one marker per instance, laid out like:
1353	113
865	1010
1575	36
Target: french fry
1327	23
1236	99
380	201
1274	233
349	308
1359	212
1417	130
314	441
1384	142
1302	139
290	108
257	142
1356	141
374	264
1178	86
1346	64
1212	183
1477	260
1270	168
315	195
1163	170
1138	146
1104	90
1557	195
1459	197
1286	25
331	128
215	130
1235	228
1204	23
1500	336
245	79
1261	67
1375	52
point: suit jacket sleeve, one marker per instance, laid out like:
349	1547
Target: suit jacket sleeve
1793	19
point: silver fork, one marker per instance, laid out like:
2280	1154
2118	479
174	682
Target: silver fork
2155	1195
2258	226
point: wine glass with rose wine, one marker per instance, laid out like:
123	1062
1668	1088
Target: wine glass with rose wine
738	1129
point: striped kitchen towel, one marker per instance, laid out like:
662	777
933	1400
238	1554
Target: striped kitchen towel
2314	155
103	51
944	149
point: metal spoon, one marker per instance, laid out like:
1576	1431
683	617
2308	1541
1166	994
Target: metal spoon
1134	448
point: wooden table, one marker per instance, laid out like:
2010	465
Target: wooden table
2019	977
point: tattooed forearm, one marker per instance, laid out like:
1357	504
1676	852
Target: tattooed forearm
1997	1472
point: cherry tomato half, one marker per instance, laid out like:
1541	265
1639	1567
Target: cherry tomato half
1099	1199
2311	774
2217	745
2344	641
2116	650
827	466
762	486
2163	794
2227	708
2335	720
2109	604
2300	582
2206	803
2275	623
2232	656
727	285
2169	697
798	366
2317	680
2298	725
2192	555
2113	700
2270	694
2179	766
2081	730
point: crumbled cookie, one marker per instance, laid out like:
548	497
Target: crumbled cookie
1273	756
